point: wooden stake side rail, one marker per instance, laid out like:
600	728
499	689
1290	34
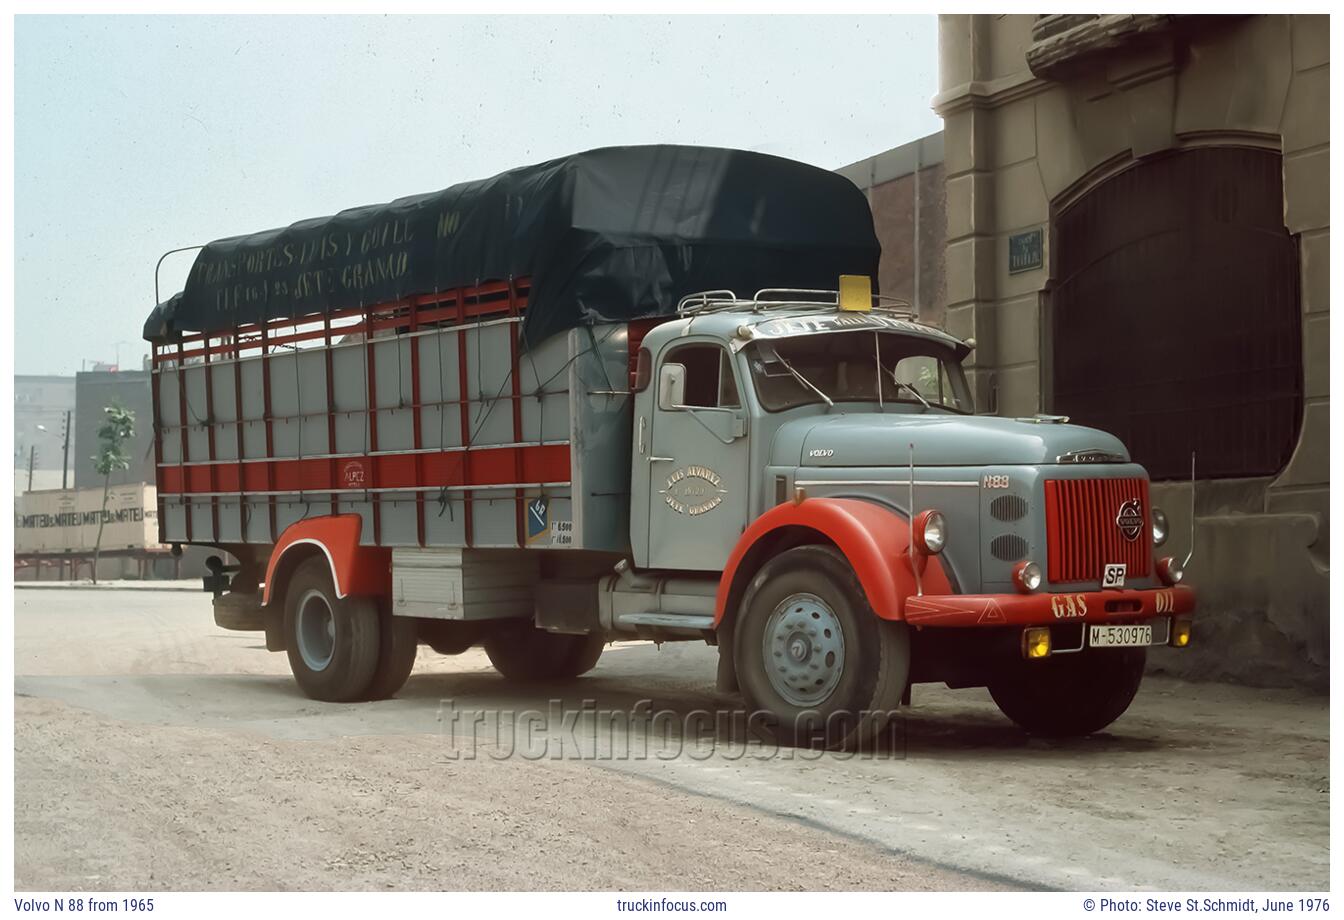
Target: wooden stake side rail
479	302
364	475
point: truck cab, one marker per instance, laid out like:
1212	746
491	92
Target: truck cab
1012	553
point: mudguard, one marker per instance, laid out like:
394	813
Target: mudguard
875	540
355	569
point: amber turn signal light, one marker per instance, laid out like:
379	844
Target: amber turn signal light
1180	633
1036	642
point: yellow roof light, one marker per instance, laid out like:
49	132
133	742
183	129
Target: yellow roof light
856	293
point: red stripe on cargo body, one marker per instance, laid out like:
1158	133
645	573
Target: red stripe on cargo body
477	468
1081	530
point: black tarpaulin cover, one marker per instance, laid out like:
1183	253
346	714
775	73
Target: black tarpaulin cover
609	235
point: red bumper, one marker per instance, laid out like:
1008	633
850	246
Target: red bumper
1047	608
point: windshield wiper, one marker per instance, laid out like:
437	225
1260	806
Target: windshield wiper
803	380
902	383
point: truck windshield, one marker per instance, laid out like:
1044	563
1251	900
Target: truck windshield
844	366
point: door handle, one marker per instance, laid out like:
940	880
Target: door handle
663	459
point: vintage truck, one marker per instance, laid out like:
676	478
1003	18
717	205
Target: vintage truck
531	413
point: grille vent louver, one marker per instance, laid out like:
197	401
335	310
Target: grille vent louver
1009	547
1008	508
1081	532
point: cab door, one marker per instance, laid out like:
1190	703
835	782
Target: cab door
691	441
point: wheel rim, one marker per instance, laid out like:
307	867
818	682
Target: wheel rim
804	650
316	630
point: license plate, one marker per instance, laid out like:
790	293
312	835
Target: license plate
1119	636
1113	575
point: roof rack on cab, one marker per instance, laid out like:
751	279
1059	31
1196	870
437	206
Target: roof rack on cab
778	298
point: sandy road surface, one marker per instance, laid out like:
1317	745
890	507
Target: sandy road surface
155	751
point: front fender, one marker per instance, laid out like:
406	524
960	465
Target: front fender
874	539
355	569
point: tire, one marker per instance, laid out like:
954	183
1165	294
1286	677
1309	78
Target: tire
398	642
1070	695
339	668
816	665
525	653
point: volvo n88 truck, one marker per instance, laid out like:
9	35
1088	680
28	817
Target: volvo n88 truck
641	393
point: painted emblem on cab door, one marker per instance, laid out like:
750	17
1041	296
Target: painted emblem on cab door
693	490
1130	519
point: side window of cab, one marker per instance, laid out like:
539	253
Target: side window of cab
706	378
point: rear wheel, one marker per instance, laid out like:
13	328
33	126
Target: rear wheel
451	637
332	642
1069	695
398	641
523	652
817	666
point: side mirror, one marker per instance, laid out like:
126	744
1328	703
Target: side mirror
672	386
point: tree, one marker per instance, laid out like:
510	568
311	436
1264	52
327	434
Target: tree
118	427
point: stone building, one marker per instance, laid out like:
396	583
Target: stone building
1137	237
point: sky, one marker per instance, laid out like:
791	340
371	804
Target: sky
138	134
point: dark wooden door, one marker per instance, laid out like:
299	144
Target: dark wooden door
1176	322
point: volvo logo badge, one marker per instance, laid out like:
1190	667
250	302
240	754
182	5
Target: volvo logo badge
1130	519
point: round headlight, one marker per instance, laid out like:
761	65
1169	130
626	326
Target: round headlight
1027	576
1170	571
1160	528
930	532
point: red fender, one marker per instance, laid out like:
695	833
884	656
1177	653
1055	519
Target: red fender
355	569
874	539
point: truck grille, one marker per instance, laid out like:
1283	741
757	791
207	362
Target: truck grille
1081	528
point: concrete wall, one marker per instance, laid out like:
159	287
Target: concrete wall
1017	143
95	390
899	207
40	400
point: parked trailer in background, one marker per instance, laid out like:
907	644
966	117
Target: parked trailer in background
501	415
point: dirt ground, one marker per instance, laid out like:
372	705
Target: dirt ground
155	751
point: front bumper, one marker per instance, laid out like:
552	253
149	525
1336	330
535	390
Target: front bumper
1048	608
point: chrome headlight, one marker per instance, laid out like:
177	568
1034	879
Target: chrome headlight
1160	527
930	532
1170	571
1027	576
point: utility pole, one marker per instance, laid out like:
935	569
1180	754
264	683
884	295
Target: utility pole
65	455
32	455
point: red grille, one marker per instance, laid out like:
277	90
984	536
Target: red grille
1081	529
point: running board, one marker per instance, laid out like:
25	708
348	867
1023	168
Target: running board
667	620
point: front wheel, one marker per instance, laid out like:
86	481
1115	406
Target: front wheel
1069	695
815	663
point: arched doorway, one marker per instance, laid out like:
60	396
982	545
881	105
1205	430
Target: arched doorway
1176	322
